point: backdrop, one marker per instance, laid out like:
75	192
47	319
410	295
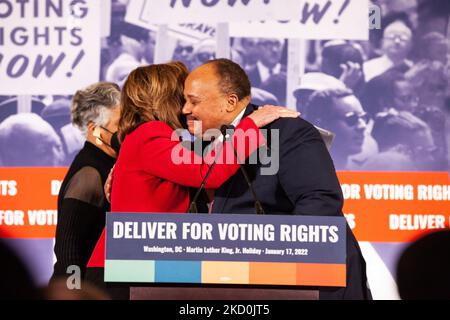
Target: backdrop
391	148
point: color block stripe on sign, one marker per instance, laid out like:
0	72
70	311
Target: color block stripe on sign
273	273
332	275
231	272
225	272
129	271
178	271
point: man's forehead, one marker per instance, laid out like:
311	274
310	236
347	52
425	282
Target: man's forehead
201	78
205	70
396	27
348	104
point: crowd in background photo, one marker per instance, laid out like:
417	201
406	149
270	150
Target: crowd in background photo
386	100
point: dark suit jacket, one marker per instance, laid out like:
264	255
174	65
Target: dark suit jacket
254	76
306	184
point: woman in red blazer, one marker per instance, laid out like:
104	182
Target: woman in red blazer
146	177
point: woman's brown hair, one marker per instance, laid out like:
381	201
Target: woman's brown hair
150	93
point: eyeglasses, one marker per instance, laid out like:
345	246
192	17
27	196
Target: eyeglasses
205	56
409	98
352	118
400	37
106	129
187	49
271	44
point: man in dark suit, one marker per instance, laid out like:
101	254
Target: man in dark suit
305	183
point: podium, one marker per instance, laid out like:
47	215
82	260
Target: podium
220	293
225	256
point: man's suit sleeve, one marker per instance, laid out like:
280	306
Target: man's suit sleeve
306	172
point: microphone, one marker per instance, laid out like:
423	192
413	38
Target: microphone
224	128
193	206
258	206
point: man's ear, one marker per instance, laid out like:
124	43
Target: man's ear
232	102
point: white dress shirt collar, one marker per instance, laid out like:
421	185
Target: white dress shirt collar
235	122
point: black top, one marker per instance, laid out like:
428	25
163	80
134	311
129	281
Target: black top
82	206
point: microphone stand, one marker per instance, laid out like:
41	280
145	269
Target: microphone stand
258	206
193	205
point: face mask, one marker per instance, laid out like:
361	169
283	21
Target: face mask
115	144
98	137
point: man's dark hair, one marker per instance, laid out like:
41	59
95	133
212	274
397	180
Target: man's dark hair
396	128
335	55
379	92
320	102
232	78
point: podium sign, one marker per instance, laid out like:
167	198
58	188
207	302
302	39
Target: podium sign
225	249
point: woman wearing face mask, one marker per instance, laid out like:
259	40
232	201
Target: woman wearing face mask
81	201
